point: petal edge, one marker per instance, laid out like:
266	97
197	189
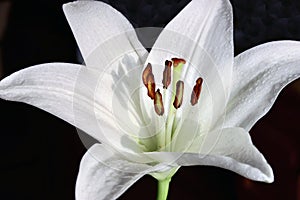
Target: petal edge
259	75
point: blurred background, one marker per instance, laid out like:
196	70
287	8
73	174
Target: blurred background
40	154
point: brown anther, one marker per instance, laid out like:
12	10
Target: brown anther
179	94
146	72
158	103
148	80
151	86
167	74
196	91
177	61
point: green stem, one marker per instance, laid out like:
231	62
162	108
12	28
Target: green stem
163	188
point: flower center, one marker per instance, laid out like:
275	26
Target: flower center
171	76
178	85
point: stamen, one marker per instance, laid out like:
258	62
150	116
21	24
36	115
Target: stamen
146	72
167	74
148	80
177	61
196	91
158	103
179	94
151	86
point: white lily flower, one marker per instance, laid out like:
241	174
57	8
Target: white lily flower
207	102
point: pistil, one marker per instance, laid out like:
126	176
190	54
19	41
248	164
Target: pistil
178	64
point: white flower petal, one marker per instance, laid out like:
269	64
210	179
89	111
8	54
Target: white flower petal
205	24
68	92
110	45
47	86
99	27
106	175
229	148
259	75
117	91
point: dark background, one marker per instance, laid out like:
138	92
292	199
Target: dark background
40	153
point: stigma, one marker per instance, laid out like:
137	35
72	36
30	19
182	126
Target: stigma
178	61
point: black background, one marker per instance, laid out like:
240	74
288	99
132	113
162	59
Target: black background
40	153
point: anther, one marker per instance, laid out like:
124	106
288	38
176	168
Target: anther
179	94
177	61
146	72
196	91
148	80
167	74
151	86
158	103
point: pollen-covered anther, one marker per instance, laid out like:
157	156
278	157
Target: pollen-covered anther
179	94
146	72
196	91
151	86
158	103
167	74
148	80
178	61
